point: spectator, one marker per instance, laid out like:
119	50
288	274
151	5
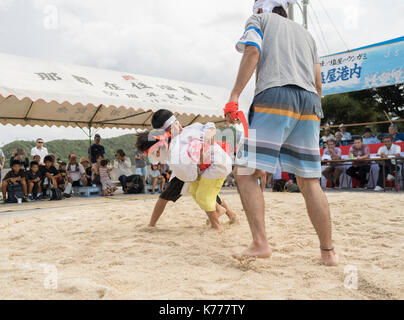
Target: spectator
14	178
393	131
338	140
39	150
86	165
389	149
96	149
156	178
49	175
76	174
63	180
95	170
327	135
20	155
108	187
359	169
37	159
346	136
334	169
368	138
124	168
140	162
2	162
33	178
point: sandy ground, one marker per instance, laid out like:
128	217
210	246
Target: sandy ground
102	249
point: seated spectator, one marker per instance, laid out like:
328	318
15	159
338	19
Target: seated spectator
124	167
63	180
33	177
389	149
14	179
49	175
368	138
76	174
39	150
334	169
20	155
359	169
393	131
346	136
86	165
338	140
156	178
140	162
108	188
95	170
327	135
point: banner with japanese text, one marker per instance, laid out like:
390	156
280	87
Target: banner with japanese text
377	65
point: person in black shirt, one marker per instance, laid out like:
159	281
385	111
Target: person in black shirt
49	174
33	177
20	155
96	149
15	176
63	180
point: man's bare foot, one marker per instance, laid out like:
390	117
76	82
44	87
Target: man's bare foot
218	228
255	251
330	258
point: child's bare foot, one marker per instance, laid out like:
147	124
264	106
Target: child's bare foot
232	216
262	251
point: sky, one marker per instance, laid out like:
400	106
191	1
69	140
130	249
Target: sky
185	40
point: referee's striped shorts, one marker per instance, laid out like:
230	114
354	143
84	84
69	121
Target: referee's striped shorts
284	125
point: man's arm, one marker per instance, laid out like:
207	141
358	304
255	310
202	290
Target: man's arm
319	84
247	66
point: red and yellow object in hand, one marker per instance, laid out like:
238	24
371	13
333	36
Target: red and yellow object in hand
236	114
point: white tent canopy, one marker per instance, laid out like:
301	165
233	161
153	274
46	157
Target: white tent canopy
44	93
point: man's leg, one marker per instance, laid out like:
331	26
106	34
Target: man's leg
319	213
122	179
263	181
327	173
381	177
84	181
337	173
363	171
253	203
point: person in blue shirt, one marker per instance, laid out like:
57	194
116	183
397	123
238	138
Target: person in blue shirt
368	138
393	131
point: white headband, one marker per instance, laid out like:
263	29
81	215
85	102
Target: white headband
169	122
269	5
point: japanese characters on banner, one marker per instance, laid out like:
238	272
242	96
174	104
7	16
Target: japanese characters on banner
374	66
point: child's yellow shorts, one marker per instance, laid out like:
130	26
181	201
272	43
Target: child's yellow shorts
205	191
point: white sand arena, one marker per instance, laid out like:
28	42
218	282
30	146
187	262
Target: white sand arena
102	249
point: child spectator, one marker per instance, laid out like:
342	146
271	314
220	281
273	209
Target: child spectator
49	175
156	178
86	165
63	180
14	179
33	178
108	187
95	170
